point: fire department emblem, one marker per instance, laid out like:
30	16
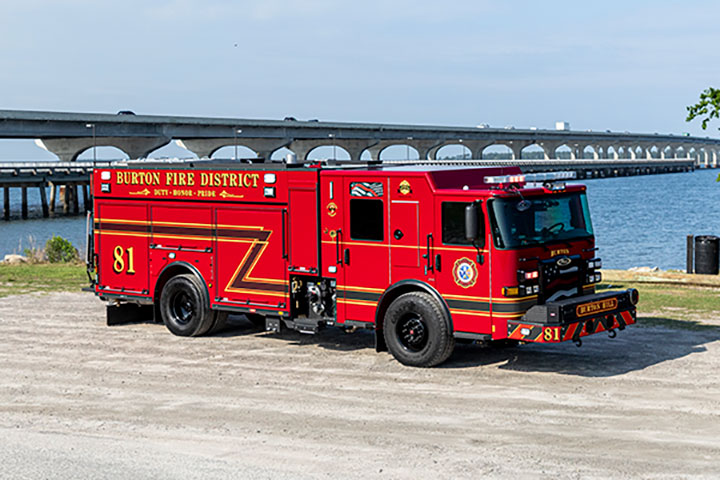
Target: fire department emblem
404	187
331	209
465	272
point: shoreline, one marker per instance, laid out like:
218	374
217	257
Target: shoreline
660	277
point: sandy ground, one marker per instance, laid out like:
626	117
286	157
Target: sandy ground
79	399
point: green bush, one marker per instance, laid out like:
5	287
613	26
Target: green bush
60	250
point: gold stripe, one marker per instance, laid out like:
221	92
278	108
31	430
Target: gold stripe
508	315
260	292
154	222
360	289
125	234
364	303
468	312
179	237
387	245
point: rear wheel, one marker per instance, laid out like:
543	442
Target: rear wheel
184	308
417	330
219	322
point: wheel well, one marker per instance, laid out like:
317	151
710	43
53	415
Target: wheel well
393	292
170	271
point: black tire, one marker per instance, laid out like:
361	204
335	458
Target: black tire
184	307
417	330
219	322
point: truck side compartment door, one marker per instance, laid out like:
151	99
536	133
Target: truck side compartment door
250	257
122	237
303	226
181	234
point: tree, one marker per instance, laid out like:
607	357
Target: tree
708	107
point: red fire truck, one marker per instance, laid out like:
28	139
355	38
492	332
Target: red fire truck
422	255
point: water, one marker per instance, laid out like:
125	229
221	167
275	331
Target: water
17	234
643	221
639	221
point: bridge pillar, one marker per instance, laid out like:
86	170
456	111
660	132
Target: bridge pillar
68	149
354	147
6	203
601	147
628	151
53	192
205	147
43	201
377	149
475	146
23	203
648	150
516	146
425	147
549	148
616	152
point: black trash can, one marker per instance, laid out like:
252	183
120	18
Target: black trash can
706	254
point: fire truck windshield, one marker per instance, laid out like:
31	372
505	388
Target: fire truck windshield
522	222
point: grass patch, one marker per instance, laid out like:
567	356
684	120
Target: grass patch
27	278
672	305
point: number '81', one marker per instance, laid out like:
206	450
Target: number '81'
119	260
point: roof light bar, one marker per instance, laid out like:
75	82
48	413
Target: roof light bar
531	177
498	179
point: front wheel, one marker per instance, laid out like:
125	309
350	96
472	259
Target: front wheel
417	330
184	308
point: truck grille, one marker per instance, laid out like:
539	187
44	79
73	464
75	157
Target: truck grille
561	277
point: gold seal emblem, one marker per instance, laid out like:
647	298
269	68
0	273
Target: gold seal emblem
465	272
331	209
404	187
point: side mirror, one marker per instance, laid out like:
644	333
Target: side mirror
472	229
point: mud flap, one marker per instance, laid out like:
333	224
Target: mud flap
120	313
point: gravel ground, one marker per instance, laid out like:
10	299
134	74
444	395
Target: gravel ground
79	399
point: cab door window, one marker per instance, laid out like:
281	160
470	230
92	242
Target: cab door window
366	219
453	224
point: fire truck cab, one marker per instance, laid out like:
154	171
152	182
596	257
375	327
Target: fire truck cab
423	255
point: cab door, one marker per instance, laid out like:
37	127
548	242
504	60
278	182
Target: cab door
464	278
364	247
410	230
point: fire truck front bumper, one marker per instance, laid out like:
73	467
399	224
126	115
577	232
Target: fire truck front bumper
577	317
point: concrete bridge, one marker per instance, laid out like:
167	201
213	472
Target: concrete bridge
67	135
72	179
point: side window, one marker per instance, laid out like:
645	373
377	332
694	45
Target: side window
453	224
366	219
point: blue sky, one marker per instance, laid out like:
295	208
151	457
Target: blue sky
603	65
